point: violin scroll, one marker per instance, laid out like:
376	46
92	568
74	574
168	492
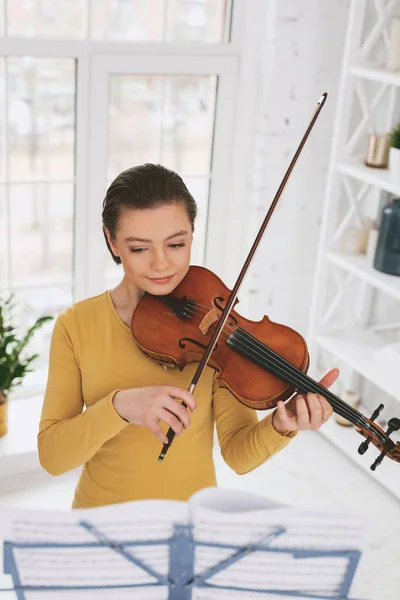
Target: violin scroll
381	440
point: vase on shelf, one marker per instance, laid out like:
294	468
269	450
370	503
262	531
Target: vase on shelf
394	163
378	147
3	414
393	55
387	254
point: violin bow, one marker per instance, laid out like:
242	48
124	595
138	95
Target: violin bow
233	296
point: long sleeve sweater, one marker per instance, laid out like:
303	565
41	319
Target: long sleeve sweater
93	355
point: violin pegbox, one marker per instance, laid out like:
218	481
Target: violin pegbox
393	425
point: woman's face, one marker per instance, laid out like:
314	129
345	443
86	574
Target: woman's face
154	246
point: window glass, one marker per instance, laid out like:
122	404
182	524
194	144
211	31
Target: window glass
37	185
47	18
160	20
166	119
41	118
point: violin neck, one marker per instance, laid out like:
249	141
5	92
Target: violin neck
245	344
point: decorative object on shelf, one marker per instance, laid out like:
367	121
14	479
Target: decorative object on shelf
393	56
394	154
372	241
352	398
387	255
367	225
13	366
352	240
378	151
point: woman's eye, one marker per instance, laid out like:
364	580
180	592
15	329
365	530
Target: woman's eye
141	250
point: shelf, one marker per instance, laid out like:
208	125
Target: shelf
348	441
379	75
381	178
360	349
361	266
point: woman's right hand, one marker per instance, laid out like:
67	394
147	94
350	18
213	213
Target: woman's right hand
148	406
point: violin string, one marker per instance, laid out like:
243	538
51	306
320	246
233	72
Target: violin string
283	368
342	409
296	375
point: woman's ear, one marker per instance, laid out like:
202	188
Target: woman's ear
111	243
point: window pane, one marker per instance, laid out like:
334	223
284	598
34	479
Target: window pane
3	153
41	217
41	118
167	119
159	20
135	121
31	304
136	20
196	20
2	17
3	238
188	123
47	18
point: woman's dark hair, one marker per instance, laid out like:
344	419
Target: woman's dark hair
140	187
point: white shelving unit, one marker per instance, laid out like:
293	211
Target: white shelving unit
342	330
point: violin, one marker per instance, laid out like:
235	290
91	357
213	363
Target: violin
260	362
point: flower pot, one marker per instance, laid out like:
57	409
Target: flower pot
3	414
394	163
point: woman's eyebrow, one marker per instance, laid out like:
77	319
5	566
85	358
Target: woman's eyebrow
136	239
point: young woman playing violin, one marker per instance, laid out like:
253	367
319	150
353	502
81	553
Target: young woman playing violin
130	399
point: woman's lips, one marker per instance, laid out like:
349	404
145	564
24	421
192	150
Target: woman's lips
161	280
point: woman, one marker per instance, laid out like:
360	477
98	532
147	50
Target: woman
131	400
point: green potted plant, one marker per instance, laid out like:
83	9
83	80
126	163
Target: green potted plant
394	155
13	364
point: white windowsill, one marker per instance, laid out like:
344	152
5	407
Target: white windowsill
18	448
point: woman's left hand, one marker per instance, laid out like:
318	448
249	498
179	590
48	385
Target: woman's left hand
305	412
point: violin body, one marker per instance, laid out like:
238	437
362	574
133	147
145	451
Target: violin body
163	332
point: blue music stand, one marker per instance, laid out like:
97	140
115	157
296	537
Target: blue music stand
181	579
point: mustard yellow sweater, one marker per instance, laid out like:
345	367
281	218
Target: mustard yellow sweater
93	355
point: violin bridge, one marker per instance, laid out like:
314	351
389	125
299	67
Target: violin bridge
211	317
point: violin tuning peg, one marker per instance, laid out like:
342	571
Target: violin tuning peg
363	447
393	425
376	412
378	461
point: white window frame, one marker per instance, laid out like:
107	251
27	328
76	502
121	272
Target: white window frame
86	53
228	209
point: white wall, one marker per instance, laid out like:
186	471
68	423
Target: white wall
302	59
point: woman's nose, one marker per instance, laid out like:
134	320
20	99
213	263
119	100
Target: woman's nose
159	262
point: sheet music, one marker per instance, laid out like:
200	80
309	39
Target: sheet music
281	570
217	517
88	566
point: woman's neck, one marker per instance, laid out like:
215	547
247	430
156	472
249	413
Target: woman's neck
126	297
